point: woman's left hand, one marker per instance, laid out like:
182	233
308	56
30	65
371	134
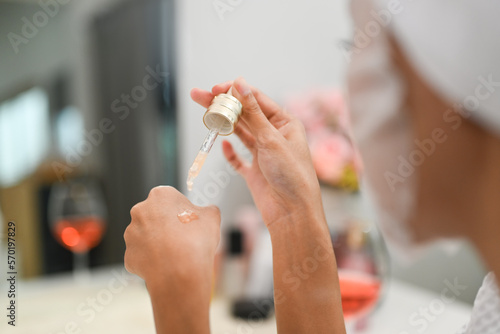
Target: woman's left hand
174	258
158	244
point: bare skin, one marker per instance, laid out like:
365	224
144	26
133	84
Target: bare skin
283	183
457	197
458	184
174	259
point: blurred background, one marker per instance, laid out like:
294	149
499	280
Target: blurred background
96	93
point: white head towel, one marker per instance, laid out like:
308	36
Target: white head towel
455	46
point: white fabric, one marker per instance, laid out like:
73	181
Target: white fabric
485	317
455	46
383	133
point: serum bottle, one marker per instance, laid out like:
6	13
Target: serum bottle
220	118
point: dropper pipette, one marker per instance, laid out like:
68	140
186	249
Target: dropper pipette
202	156
221	118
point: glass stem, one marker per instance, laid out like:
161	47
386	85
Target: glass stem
81	271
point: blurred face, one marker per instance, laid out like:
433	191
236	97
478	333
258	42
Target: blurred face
429	170
448	192
421	156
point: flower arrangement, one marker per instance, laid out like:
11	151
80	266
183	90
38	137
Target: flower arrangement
325	116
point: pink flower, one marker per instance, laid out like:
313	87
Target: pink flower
337	109
320	108
330	154
325	116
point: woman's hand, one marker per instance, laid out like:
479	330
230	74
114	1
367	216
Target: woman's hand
285	189
175	259
281	176
158	244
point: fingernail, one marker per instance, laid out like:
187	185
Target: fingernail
242	87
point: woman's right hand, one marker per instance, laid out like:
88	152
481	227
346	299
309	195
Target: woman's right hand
281	176
286	191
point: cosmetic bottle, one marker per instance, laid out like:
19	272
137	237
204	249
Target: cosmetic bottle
257	301
234	272
223	113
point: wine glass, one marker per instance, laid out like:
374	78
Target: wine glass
77	218
361	255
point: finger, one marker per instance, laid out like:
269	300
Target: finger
274	113
126	256
126	234
212	211
135	212
221	88
245	135
257	122
126	262
238	164
202	97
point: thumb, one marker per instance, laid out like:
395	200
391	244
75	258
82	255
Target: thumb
257	122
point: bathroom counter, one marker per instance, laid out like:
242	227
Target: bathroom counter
114	301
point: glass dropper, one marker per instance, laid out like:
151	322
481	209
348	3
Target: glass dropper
202	155
220	118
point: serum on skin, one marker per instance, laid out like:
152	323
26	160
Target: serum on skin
187	216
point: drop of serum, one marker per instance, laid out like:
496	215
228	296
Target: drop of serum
196	168
187	216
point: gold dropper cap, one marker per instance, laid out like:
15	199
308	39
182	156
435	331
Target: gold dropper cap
223	113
